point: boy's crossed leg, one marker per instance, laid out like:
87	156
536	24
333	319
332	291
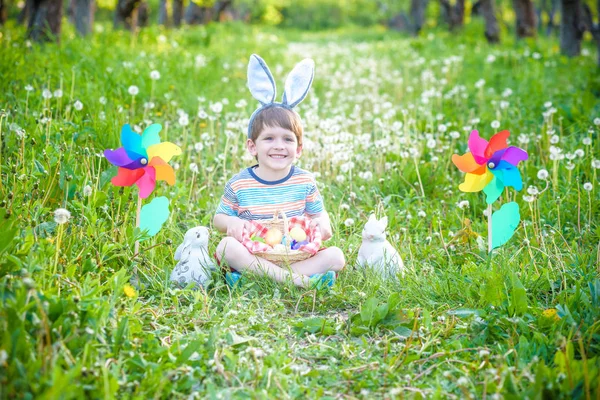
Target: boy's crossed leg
240	259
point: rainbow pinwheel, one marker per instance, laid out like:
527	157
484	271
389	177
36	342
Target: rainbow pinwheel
143	159
490	166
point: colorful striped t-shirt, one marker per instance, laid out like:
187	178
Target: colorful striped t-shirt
249	197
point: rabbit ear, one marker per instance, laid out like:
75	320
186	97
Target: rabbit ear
383	222
298	82
178	251
186	243
260	80
372	218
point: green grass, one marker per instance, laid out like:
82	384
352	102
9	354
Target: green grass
456	325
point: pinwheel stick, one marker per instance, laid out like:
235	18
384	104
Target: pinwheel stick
137	225
489	215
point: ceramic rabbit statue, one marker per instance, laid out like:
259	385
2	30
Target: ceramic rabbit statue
195	264
376	252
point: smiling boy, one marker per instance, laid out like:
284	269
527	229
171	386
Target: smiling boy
274	183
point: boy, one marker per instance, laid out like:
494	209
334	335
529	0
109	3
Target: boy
275	183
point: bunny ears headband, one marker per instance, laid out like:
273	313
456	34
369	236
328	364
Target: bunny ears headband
262	85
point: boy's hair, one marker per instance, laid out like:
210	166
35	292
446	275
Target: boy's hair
277	117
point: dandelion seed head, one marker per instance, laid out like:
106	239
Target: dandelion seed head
61	215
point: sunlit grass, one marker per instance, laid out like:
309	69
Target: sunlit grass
385	114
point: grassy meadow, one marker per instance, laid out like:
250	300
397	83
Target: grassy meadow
383	118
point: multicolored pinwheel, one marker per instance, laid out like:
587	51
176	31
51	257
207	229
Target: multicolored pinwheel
143	159
490	166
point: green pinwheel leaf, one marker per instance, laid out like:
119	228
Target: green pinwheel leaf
504	223
154	215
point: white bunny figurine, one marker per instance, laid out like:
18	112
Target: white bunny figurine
376	252
195	264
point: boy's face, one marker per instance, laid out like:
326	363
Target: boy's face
275	148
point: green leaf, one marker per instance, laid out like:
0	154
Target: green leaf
107	175
45	229
39	166
190	349
403	331
518	297
120	334
368	309
315	325
236	340
463	312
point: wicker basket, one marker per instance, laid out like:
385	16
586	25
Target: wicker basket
288	256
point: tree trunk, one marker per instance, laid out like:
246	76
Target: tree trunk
525	13
476	9
84	16
454	14
178	12
163	14
126	14
143	14
195	14
551	26
45	20
592	27
2	12
417	15
219	8
25	12
571	27
492	32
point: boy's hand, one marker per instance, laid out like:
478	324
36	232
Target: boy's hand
322	223
236	228
315	222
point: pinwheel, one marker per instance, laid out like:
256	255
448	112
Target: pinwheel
492	166
143	159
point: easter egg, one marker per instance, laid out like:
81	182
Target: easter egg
257	239
296	245
280	248
297	234
273	236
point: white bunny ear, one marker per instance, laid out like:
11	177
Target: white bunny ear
298	82
179	251
260	80
372	218
383	222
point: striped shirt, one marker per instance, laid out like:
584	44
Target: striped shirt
249	197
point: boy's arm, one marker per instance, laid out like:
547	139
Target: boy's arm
322	219
232	226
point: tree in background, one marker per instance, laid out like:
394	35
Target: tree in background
413	22
131	14
549	7
81	14
3	12
45	20
163	15
594	28
453	14
525	18
572	27
203	12
488	11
